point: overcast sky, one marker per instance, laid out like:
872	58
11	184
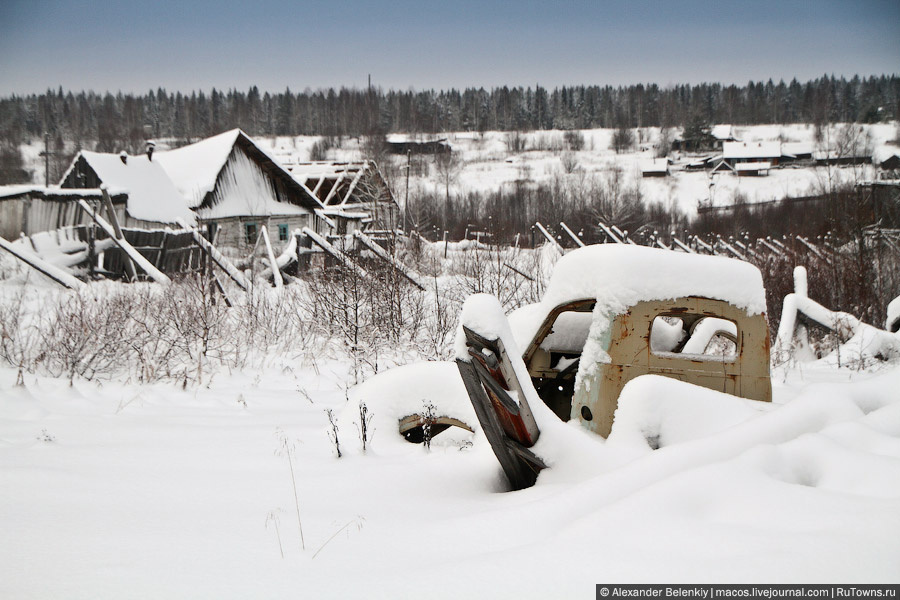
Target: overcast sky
135	46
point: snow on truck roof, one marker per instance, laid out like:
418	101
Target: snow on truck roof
629	274
619	276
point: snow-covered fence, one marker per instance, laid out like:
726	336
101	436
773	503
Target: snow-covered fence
855	340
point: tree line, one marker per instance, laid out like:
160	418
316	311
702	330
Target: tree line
112	122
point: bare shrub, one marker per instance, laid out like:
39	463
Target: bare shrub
84	335
19	334
569	161
574	140
515	141
322	147
622	140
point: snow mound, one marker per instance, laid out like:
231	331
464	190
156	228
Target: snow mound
403	391
892	323
657	411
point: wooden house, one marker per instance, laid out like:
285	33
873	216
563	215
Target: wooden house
655	167
404	147
891	163
735	153
235	187
752	169
351	187
723	133
840	158
151	199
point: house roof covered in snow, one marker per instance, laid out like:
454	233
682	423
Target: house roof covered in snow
151	194
196	170
798	148
884	153
655	165
722	132
731	150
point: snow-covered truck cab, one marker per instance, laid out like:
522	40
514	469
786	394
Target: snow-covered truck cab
612	313
699	340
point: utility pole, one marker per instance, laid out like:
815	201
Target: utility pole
406	202
46	155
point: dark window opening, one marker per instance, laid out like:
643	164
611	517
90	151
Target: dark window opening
250	232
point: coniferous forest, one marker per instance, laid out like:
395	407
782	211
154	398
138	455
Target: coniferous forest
111	122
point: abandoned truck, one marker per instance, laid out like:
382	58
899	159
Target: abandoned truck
610	313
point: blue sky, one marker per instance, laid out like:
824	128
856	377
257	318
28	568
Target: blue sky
135	46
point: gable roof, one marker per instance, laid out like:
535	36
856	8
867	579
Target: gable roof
195	169
151	194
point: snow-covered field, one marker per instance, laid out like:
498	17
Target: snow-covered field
153	491
488	164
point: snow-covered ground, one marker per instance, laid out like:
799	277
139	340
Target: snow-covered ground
153	491
488	164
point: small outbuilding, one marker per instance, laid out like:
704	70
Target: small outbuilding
655	167
752	169
29	209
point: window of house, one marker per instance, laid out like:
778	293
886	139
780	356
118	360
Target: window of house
283	232
250	232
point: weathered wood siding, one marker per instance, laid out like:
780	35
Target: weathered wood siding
232	232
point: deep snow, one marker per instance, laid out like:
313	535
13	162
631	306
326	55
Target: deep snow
152	491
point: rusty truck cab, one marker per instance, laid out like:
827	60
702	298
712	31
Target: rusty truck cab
698	340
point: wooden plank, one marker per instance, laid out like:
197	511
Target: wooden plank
549	238
136	256
491	384
572	235
682	245
107	202
276	272
217	257
333	251
609	232
380	253
35	262
507	422
520	475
